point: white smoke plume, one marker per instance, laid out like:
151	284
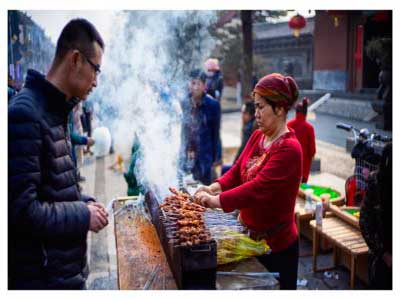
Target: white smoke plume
143	80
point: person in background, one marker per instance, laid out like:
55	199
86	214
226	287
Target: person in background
254	80
376	222
87	119
48	217
200	129
214	87
264	182
11	91
214	81
306	136
134	188
78	139
248	126
239	88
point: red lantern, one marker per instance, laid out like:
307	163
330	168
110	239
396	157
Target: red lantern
336	14
297	23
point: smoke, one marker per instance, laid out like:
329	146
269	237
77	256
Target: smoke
144	78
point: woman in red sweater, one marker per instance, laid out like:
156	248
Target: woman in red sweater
306	136
264	181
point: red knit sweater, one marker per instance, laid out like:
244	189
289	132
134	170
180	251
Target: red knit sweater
305	134
263	185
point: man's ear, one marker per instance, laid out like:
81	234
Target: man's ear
74	58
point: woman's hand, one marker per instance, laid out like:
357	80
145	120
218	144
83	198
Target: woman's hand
207	200
213	189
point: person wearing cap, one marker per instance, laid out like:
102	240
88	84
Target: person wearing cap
305	134
200	129
214	81
264	181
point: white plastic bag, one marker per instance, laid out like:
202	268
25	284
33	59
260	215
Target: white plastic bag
102	138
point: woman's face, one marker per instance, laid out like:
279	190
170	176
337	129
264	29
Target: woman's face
267	120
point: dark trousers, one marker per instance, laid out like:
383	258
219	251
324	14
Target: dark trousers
285	263
380	275
86	120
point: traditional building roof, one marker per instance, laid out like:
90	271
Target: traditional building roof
277	30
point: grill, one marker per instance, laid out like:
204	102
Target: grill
194	267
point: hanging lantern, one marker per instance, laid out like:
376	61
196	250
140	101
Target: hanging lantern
297	23
336	15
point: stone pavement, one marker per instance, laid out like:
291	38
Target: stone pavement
334	158
104	184
107	184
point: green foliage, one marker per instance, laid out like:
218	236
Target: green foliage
380	51
229	42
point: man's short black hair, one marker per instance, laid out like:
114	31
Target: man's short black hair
198	74
78	34
249	108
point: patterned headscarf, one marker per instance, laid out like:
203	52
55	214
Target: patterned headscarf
279	89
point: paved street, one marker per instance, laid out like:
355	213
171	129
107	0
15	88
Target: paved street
330	142
107	184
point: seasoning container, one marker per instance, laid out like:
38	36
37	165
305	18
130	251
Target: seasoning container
325	199
309	205
319	213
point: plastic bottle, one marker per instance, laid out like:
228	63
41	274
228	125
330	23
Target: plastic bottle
319	210
325	199
308	205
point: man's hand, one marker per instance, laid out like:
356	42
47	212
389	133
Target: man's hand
98	216
90	141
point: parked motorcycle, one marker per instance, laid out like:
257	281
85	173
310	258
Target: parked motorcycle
367	151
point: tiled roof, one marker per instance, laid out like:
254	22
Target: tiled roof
269	30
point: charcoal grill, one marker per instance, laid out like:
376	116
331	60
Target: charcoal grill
194	267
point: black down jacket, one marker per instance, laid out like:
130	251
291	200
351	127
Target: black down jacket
48	219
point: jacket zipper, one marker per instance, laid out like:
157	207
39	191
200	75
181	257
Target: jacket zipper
45	256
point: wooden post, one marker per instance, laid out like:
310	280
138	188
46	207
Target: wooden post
352	271
315	248
334	254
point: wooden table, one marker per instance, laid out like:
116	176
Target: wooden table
303	219
301	214
139	252
343	236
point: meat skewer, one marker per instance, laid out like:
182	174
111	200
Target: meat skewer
184	220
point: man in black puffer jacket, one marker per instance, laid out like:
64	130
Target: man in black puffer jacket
48	217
